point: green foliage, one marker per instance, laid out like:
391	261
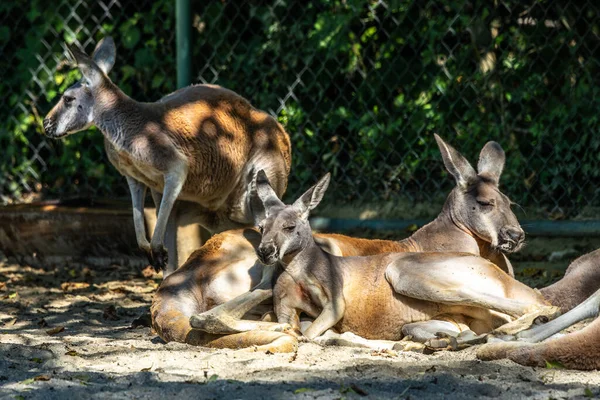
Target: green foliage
361	86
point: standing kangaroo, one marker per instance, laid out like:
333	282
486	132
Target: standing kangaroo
202	143
384	296
476	218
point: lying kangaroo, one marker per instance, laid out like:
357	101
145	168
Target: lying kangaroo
577	350
476	218
202	143
383	296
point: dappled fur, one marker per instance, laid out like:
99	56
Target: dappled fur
221	137
201	143
238	246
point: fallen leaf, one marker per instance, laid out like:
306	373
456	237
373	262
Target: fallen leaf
72	353
71	286
554	365
82	378
110	313
2	285
147	369
27	381
55	330
293	357
588	393
148	272
384	353
42	378
13	295
358	390
303	390
212	378
10	322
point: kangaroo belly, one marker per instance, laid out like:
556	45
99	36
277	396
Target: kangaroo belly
382	315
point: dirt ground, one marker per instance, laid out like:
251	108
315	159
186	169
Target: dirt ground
65	332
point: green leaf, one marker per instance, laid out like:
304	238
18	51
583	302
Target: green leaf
303	390
554	365
131	37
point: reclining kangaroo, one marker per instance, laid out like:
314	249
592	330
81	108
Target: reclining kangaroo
476	219
383	296
201	144
577	350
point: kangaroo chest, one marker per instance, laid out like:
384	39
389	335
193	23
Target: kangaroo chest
127	165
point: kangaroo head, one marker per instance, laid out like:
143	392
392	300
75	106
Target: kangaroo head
284	228
75	109
476	203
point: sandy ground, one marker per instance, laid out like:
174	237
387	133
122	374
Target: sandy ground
65	332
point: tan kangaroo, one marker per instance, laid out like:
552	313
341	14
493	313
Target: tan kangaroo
577	350
475	219
383	296
201	144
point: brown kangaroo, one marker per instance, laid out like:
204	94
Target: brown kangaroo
577	350
202	144
383	296
476	218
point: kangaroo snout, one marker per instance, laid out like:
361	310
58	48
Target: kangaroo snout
511	238
266	253
49	126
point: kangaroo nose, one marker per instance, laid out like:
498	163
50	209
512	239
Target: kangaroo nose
265	251
515	234
48	126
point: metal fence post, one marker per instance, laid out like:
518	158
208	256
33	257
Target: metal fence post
183	20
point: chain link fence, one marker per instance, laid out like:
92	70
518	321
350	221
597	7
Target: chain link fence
361	86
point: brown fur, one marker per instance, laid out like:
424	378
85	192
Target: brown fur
443	234
203	144
577	350
581	280
216	132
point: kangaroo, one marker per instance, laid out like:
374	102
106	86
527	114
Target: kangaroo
201	144
577	350
476	218
384	296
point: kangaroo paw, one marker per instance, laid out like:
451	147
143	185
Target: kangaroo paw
538	314
159	258
214	324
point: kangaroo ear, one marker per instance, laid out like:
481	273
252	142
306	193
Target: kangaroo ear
456	164
312	197
104	54
89	69
491	162
263	197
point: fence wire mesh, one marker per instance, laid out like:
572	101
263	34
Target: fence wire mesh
361	86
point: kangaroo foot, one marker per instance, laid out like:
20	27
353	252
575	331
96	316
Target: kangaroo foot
159	258
446	341
215	324
408	345
499	349
539	314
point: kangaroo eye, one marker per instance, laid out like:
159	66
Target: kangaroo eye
485	203
289	228
68	99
